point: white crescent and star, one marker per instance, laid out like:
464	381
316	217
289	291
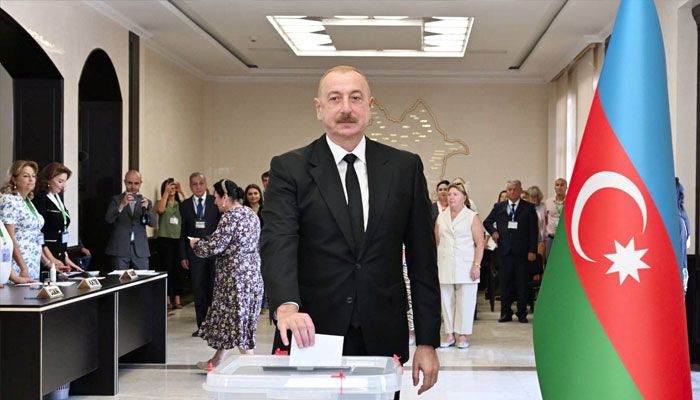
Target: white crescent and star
626	260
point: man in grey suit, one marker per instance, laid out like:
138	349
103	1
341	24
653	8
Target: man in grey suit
129	213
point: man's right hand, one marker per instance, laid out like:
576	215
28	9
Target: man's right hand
126	199
185	264
495	237
289	318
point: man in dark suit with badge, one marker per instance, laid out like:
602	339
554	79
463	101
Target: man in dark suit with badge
515	231
337	213
200	216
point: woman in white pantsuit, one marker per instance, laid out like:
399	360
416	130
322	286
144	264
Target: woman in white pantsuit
460	239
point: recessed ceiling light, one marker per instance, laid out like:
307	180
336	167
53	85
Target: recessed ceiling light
440	36
351	16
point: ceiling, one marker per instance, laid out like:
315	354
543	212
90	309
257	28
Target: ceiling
510	41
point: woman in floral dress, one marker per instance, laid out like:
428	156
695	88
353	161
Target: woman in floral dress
238	286
22	221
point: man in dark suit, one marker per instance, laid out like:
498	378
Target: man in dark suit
336	215
129	213
515	232
200	216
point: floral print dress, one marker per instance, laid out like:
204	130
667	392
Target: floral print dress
238	286
15	211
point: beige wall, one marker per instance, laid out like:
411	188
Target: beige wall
172	139
68	31
681	43
504	125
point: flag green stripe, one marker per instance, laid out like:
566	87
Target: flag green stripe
575	358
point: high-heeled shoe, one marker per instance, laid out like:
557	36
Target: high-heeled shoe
178	306
445	345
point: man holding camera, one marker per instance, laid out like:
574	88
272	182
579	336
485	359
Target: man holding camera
129	213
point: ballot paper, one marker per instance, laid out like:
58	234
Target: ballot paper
327	351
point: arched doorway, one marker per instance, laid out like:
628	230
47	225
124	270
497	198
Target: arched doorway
32	103
100	151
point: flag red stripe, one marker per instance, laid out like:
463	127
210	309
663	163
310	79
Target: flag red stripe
644	320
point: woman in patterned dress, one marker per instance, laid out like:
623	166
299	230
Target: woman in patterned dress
238	286
22	220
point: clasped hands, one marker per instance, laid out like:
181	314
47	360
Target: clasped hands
425	359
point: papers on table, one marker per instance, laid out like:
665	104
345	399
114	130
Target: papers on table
72	273
139	272
39	285
327	351
80	278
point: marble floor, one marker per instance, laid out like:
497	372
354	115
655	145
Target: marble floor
500	364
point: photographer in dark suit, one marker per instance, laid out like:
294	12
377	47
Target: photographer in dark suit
129	213
516	235
337	213
200	216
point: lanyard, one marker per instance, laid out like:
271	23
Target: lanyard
63	211
31	208
2	236
560	208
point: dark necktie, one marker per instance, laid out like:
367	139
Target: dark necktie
352	185
512	210
200	209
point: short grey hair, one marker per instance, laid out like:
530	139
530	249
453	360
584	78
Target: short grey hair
196	174
515	182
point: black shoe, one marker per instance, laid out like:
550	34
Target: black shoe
505	318
195	333
522	319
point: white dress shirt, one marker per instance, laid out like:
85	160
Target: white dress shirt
360	168
196	202
513	206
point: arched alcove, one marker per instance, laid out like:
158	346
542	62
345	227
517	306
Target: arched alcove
100	151
33	100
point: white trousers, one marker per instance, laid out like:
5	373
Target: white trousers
458	305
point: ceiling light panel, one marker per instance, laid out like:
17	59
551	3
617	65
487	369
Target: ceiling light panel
410	37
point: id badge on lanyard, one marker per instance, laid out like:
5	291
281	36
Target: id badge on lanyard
65	237
6	254
200	224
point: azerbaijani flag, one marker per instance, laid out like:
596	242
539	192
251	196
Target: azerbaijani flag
610	318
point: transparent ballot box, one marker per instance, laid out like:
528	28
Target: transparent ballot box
271	377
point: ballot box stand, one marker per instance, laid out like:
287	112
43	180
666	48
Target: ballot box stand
252	377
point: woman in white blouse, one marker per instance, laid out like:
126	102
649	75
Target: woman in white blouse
460	238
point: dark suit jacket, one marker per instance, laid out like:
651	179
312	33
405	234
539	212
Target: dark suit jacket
308	255
53	224
516	241
125	222
189	217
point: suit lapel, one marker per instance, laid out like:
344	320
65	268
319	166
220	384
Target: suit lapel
519	208
379	182
325	173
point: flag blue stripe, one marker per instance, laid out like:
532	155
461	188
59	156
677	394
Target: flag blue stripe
634	95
